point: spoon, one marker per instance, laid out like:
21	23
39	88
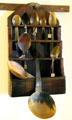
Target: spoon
25	19
34	19
52	20
17	70
16	20
43	21
24	44
40	103
24	41
54	54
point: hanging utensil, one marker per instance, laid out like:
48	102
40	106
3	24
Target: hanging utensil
54	54
24	44
52	19
43	34
40	103
24	41
17	70
16	20
52	22
52	38
57	24
42	16
47	17
34	19
25	19
55	51
43	21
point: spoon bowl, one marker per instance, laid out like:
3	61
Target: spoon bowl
42	105
16	20
55	52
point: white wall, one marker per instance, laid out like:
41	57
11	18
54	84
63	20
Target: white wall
38	1
17	108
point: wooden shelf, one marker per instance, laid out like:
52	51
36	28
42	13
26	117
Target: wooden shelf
43	41
21	58
52	78
50	85
46	41
26	87
43	78
55	8
55	85
34	58
47	26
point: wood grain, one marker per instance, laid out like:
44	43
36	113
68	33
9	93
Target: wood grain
9	6
32	25
52	85
55	8
33	58
27	86
43	41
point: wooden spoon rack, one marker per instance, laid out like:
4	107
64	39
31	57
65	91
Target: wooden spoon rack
25	87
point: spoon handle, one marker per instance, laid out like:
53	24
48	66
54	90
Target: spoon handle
38	77
25	64
25	27
16	33
52	33
52	74
52	65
